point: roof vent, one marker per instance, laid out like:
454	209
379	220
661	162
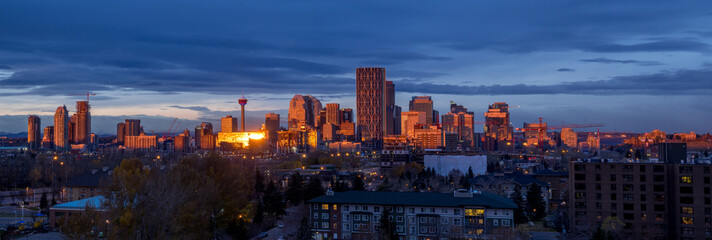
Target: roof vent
329	192
463	193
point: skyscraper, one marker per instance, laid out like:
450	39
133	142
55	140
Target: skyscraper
303	111
120	133
228	124
370	106
205	130
461	123
71	129
33	132
390	102
411	121
347	115
333	113
61	129
569	138
422	104
82	127
48	137
271	127
498	131
132	127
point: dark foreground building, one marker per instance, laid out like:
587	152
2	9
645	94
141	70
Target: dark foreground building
461	214
643	200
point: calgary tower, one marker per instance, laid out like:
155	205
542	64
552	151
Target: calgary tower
243	102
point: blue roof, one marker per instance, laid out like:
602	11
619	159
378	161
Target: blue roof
483	199
94	202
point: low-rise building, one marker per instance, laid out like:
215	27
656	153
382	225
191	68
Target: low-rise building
461	214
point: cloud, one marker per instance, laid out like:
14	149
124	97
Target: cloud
5	67
629	61
679	82
565	70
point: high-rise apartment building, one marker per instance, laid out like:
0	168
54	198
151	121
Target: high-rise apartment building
33	132
82	127
204	130
461	123
71	129
422	104
569	138
411	121
430	137
133	127
333	113
120	133
498	131
228	124
48	137
370	106
61	129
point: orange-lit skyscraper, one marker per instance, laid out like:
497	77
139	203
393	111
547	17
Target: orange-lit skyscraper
461	123
498	131
271	127
132	127
228	124
411	121
370	106
61	129
333	113
120	133
422	104
48	137
303	111
33	132
82	127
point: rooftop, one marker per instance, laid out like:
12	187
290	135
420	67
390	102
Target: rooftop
93	202
483	199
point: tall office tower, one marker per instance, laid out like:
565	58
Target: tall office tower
498	132
48	137
347	115
321	120
33	132
204	130
61	129
422	104
397	120
436	117
370	106
133	127
242	101
569	138
228	124
390	102
120	133
82	127
462	125
71	129
532	134
271	127
333	113
411	121
303	111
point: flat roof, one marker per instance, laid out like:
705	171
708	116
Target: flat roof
483	199
94	202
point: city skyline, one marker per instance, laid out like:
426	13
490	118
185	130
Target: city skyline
608	62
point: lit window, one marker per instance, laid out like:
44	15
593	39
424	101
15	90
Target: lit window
325	207
474	212
334	207
686	210
686	179
687	220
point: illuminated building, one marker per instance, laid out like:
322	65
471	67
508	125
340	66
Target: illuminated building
422	104
71	129
498	131
228	124
462	214
410	121
344	146
347	115
205	129
347	130
393	112
593	141
141	142
48	138
133	127
61	129
272	125
242	101
230	141
120	133
82	127
461	123
370	106
330	132
304	140
33	132
428	138
303	111
569	138
333	113
531	134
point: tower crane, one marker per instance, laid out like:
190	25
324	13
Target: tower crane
84	94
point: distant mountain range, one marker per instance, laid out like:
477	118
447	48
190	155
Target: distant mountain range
13	135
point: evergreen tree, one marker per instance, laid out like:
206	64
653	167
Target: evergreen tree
465	182
314	189
259	182
259	213
274	201
295	190
43	201
535	202
386	226
470	174
358	184
54	202
516	197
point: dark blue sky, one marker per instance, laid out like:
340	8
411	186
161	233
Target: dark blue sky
633	65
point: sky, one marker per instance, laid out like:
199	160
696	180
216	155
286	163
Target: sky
631	65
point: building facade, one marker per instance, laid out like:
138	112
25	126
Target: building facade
370	106
34	132
499	133
422	104
228	124
457	215
82	127
61	129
